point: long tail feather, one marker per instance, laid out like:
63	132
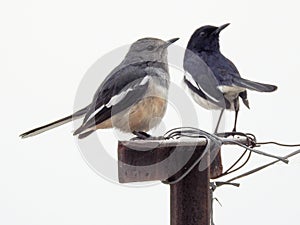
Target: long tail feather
54	124
256	86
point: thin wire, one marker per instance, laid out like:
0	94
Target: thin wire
277	143
256	151
192	132
259	168
229	171
251	142
236	162
189	169
217	184
241	166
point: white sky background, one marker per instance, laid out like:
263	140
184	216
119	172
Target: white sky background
47	46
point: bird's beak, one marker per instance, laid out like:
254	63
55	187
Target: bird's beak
220	28
171	41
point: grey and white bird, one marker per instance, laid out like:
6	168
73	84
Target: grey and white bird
214	81
132	98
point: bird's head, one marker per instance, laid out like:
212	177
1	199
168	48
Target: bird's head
149	49
206	38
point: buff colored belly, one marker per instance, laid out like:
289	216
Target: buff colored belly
142	117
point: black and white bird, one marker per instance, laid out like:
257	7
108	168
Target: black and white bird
133	96
213	80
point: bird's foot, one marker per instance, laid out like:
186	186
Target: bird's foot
140	135
233	133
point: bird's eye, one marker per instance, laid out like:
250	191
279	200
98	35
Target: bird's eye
150	48
202	34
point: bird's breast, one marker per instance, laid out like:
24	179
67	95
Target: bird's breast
148	112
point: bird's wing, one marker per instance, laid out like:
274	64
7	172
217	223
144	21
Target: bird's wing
228	75
200	79
122	89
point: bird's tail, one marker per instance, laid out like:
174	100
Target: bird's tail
255	86
54	124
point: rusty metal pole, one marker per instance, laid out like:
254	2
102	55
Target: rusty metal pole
190	196
190	199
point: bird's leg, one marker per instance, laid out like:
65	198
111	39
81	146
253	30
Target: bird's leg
235	120
236	109
219	121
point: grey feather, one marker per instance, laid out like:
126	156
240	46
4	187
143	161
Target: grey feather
255	86
54	124
144	56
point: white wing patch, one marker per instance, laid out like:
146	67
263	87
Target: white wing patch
95	112
189	77
119	97
145	80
